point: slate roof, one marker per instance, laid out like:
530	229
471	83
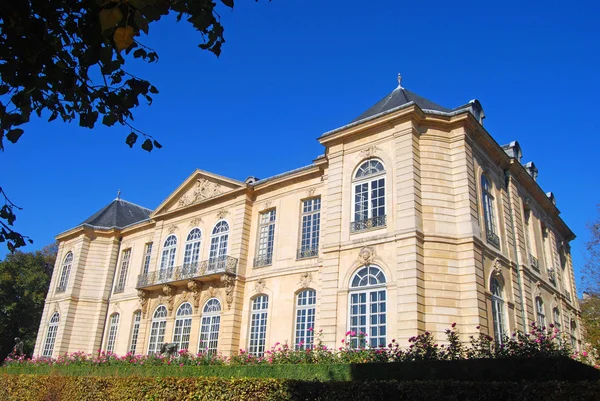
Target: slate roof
397	98
118	214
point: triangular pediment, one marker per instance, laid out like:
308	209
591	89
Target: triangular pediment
199	186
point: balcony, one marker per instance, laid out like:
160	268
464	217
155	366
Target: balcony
307	252
533	261
263	260
373	222
552	275
493	239
206	270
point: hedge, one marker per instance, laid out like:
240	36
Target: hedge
86	388
510	369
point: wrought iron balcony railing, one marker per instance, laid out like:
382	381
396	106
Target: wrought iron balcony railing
493	239
552	275
373	222
533	261
263	260
307	252
222	264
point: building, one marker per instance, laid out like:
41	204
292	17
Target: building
412	219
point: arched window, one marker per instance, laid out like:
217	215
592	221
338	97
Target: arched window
368	308
488	212
574	335
112	332
305	319
191	256
51	335
65	272
369	196
556	318
218	246
157	329
497	309
209	328
135	331
167	262
183	326
541	315
258	325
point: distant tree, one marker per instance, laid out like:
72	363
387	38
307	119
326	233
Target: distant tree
65	59
590	304
24	281
590	319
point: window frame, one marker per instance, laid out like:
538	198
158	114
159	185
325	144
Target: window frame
65	272
135	331
183	321
307	334
111	336
488	203
371	222
154	348
368	289
540	312
257	347
313	236
218	260
51	334
210	320
498	316
192	251
265	249
147	257
168	258
123	271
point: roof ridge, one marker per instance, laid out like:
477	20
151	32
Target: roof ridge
131	203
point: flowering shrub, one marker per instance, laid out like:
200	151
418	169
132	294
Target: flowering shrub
538	342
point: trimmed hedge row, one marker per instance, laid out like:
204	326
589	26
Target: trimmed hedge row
82	388
510	369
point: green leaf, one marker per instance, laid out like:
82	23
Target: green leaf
147	145
131	138
14	134
158	145
228	3
109	119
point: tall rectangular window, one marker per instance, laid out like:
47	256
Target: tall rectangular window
266	239
120	287
258	325
112	333
311	224
305	319
135	331
51	335
146	261
369	196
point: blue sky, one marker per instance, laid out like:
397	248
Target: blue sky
291	70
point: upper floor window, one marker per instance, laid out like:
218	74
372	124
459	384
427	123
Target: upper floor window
488	212
530	240
191	255
556	318
146	260
183	326
497	309
311	224
112	332
305	319
65	272
369	196
541	315
266	239
51	335
218	246
209	327
125	256
258	325
368	320
167	262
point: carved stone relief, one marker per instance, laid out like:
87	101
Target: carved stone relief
204	189
169	297
196	222
370	151
496	267
229	287
259	286
194	287
305	280
366	255
221	214
172	229
143	296
311	192
537	292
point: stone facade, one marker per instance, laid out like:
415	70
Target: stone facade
419	216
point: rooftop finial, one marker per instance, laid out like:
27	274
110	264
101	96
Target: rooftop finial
399	80
119	194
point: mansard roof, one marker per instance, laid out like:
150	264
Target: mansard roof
397	98
118	214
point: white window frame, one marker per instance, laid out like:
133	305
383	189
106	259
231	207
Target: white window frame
210	324
192	250
496	288
259	320
122	280
113	328
183	326
51	335
168	257
310	228
157	329
219	244
488	203
367	290
147	256
266	238
135	331
369	180
540	312
65	272
306	306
